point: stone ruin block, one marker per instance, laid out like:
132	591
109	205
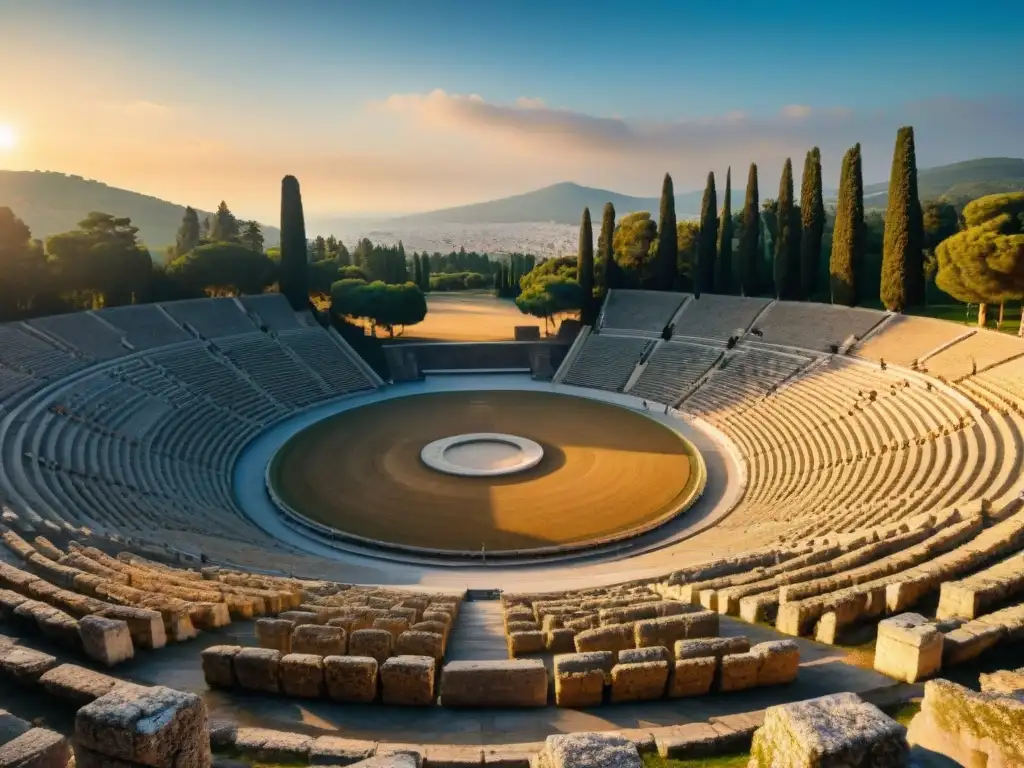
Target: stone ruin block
298	618
52	622
258	669
832	730
909	648
23	664
739	671
218	665
1004	681
156	727
435	627
351	678
206	615
410	614
108	641
780	662
78	684
714	647
560	640
320	641
971	728
46	548
513	683
11	727
522	643
580	678
269	746
36	748
642	681
275	634
523	626
376	643
408	680
644	655
146	626
691	677
302	675
666	631
614	638
336	750
588	750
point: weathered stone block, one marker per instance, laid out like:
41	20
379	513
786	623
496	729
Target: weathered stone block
108	641
23	664
614	638
319	640
643	655
337	751
376	643
645	681
393	624
12	727
275	634
1003	681
780	662
299	618
739	671
513	683
37	748
218	665
714	647
351	678
408	680
156	727
414	643
258	669
692	677
78	684
273	746
836	730
522	643
302	675
586	750
908	648
561	640
146	626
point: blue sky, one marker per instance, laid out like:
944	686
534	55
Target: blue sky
404	105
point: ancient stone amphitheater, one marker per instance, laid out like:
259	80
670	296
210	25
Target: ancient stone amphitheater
859	530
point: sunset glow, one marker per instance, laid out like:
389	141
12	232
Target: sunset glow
8	138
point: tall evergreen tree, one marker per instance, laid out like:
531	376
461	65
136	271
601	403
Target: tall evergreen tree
903	243
667	259
585	268
723	280
251	236
293	275
417	271
847	259
786	268
609	268
750	255
188	233
425	272
224	227
812	220
707	240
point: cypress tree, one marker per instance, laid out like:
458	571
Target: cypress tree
609	273
425	272
707	239
902	248
723	280
667	259
786	268
749	255
585	268
188	233
847	257
812	220
294	280
417	270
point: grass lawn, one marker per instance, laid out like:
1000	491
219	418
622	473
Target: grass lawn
956	313
722	761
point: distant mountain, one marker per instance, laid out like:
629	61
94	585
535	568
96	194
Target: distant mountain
960	182
560	203
51	203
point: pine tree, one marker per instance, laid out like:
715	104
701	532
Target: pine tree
251	236
723	280
606	253
667	259
707	240
812	220
293	280
847	259
903	243
585	268
786	268
224	227
749	255
417	271
188	233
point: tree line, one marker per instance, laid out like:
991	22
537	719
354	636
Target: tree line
794	249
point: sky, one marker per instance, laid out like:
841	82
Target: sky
394	106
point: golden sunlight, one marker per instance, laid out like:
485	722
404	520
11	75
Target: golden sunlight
8	138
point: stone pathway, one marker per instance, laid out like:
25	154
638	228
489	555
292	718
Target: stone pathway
479	633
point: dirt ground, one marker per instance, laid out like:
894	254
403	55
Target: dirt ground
469	317
605	470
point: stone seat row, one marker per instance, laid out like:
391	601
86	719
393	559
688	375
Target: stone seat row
382	640
404	680
691	668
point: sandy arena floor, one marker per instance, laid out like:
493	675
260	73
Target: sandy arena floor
606	470
469	317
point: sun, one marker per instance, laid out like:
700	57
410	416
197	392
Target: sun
8	138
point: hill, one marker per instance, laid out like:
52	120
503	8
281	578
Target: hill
960	182
560	203
51	203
